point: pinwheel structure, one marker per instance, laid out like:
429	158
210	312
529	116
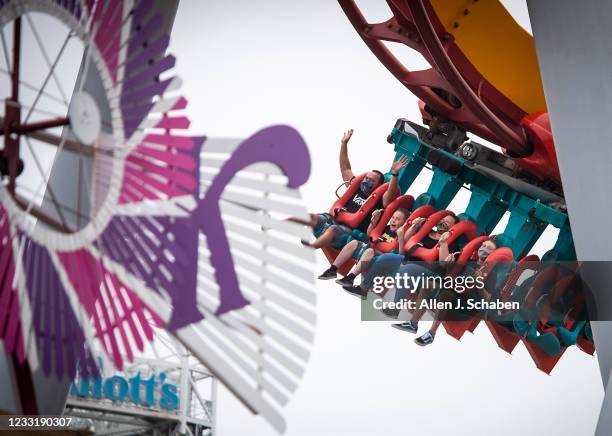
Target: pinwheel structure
112	214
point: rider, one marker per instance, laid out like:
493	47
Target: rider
486	248
389	263
361	250
324	224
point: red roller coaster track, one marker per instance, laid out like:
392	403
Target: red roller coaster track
453	88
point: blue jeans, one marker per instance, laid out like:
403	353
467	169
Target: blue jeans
384	265
341	232
411	269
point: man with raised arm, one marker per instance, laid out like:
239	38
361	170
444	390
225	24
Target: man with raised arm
324	225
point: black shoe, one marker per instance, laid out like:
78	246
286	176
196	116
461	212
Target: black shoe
391	313
426	339
328	274
357	291
408	326
347	280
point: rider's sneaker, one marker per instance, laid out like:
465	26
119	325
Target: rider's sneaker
408	326
346	280
328	274
425	339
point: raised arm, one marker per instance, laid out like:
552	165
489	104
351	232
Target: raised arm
393	190
401	239
376	215
403	236
443	251
345	163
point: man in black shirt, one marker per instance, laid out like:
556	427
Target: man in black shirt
324	225
371	181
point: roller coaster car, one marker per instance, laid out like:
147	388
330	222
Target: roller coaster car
354	219
585	340
575	328
486	161
403	201
456	329
502	255
563	311
507	339
545	304
467	229
469	253
406	202
539	338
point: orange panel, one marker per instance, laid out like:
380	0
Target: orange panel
500	49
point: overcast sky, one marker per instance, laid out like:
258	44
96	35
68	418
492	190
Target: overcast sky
247	65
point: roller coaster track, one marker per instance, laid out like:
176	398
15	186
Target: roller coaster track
494	93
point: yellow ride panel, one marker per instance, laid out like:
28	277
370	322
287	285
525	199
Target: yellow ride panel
497	46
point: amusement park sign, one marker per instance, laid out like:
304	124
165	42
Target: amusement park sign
152	392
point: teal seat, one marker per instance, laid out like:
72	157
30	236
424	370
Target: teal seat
358	252
523	320
569	337
525	325
588	333
501	271
423	200
551	256
547	342
360	236
520	325
502	241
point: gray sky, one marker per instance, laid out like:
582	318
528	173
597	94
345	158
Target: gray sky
247	65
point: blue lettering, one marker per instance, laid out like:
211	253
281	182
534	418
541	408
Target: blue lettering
117	388
150	391
135	389
118	394
84	391
169	399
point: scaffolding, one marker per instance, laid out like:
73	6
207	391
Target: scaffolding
196	391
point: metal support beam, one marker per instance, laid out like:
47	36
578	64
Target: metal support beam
12	111
575	57
20	129
441	191
484	210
